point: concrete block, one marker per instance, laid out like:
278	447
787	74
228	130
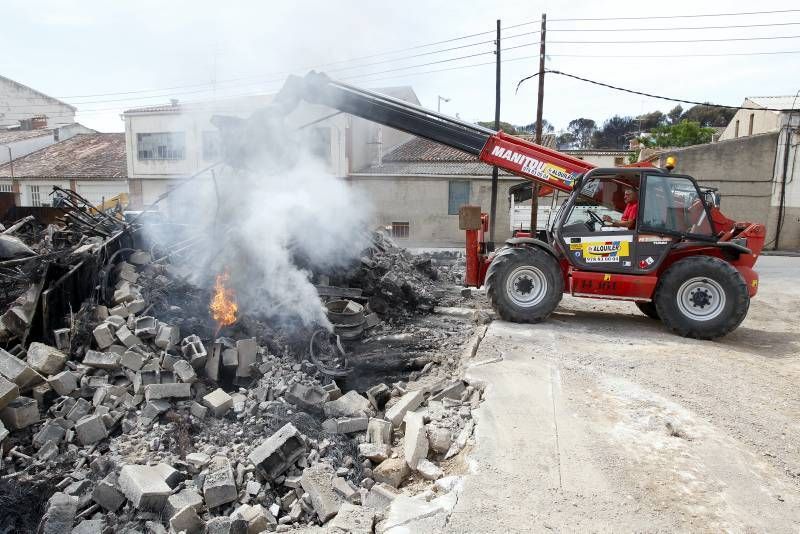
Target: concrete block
257	518
429	470
213	362
136	305
79	409
408	402
168	391
63	383
380	496
352	519
107	495
125	335
219	525
412	515
345	425
103	335
20	413
17	371
63	338
391	471
198	410
132	360
60	515
116	321
317	482
451	391
248	351
169	474
50	431
344	489
145	327
167	336
415	442
89	526
219	402
101	360
90	429
379	431
45	359
375	452
350	404
219	486
230	360
379	395
184	371
277	454
144	486
308	398
182	499
440	439
8	392
333	391
140	257
186	520
194	351
120	310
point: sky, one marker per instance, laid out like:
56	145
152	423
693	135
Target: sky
105	57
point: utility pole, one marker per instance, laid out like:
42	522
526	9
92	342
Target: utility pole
539	113
439	103
493	209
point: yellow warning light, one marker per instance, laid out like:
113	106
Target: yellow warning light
671	162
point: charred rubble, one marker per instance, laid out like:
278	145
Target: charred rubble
138	413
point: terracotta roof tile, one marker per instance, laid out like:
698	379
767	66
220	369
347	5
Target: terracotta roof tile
100	155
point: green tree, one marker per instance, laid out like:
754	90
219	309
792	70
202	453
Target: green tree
565	141
531	128
675	114
709	115
685	133
507	127
615	133
648	121
582	130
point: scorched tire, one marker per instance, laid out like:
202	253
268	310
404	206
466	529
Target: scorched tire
702	297
524	284
649	309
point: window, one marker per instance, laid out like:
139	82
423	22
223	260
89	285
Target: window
165	145
601	196
400	230
736	129
211	146
619	162
673	204
6	188
320	144
36	198
458	195
750	126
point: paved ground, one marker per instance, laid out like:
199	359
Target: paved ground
600	420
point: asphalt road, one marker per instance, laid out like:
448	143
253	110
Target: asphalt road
600	420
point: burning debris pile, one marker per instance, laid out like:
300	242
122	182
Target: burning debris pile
170	407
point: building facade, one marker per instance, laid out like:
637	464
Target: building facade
93	165
24	108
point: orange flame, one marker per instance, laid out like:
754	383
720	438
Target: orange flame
223	304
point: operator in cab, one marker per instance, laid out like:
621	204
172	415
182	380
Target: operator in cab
628	219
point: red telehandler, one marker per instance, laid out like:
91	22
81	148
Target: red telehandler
677	257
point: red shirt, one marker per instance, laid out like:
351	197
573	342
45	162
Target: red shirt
630	211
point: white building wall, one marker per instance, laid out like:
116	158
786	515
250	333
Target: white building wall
18	102
45	187
97	192
763	122
24	147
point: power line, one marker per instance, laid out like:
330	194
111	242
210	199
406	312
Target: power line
672	28
681	16
671	99
678	55
649	41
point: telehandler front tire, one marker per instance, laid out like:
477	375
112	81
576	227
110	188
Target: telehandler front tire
524	284
702	297
649	309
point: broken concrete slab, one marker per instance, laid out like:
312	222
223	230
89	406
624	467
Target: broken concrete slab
277	454
375	452
440	439
352	519
17	371
409	401
186	520
317	482
8	392
107	495
380	496
218	401
429	470
351	404
411	515
308	398
379	431
45	359
415	442
182	499
379	395
60	515
248	351
144	486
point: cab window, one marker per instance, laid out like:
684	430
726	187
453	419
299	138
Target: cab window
673	204
604	196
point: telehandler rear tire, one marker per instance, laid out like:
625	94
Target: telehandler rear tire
524	284
702	297
649	309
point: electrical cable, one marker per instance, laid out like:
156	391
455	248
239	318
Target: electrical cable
680	16
671	28
671	99
725	54
651	41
